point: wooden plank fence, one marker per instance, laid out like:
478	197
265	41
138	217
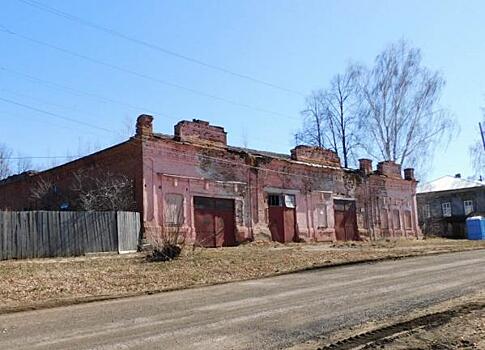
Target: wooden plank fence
40	234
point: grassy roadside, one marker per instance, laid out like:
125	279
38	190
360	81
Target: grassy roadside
30	284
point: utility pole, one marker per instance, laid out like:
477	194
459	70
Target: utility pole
482	132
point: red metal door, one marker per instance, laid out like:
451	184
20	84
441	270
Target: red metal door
214	221
281	219
345	220
276	223
204	227
224	222
340	225
289	223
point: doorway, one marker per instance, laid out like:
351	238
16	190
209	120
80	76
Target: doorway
214	222
282	217
345	220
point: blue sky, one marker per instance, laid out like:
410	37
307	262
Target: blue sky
295	44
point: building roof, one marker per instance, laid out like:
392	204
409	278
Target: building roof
281	156
448	183
237	149
260	153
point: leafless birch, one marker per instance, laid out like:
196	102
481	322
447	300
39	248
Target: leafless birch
5	164
400	107
331	117
477	153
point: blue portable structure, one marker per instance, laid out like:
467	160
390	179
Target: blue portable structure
475	226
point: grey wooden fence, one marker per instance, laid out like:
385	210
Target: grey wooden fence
39	234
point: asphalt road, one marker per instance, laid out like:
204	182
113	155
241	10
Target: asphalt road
269	313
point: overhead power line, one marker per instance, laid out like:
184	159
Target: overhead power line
41	157
55	115
168	150
110	31
76	91
4	29
70	119
102	98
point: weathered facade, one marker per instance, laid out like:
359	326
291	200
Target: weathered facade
445	203
222	195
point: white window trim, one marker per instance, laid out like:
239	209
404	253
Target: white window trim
468	204
446	209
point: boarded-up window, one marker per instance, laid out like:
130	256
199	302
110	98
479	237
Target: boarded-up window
396	220
407	220
384	219
321	215
174	210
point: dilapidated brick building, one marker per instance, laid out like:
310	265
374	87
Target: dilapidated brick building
222	195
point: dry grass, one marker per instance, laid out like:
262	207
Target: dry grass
47	282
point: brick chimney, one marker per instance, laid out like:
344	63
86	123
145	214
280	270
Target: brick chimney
365	166
409	174
144	126
200	131
317	155
389	168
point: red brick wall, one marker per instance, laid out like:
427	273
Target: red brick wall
199	131
389	168
316	155
316	178
383	199
160	166
189	169
125	158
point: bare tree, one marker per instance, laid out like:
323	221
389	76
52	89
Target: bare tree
342	114
5	164
103	192
168	241
127	129
331	117
91	189
45	195
477	154
400	110
313	131
244	137
24	164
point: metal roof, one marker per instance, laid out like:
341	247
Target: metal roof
448	183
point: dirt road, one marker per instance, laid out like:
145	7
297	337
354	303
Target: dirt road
270	313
